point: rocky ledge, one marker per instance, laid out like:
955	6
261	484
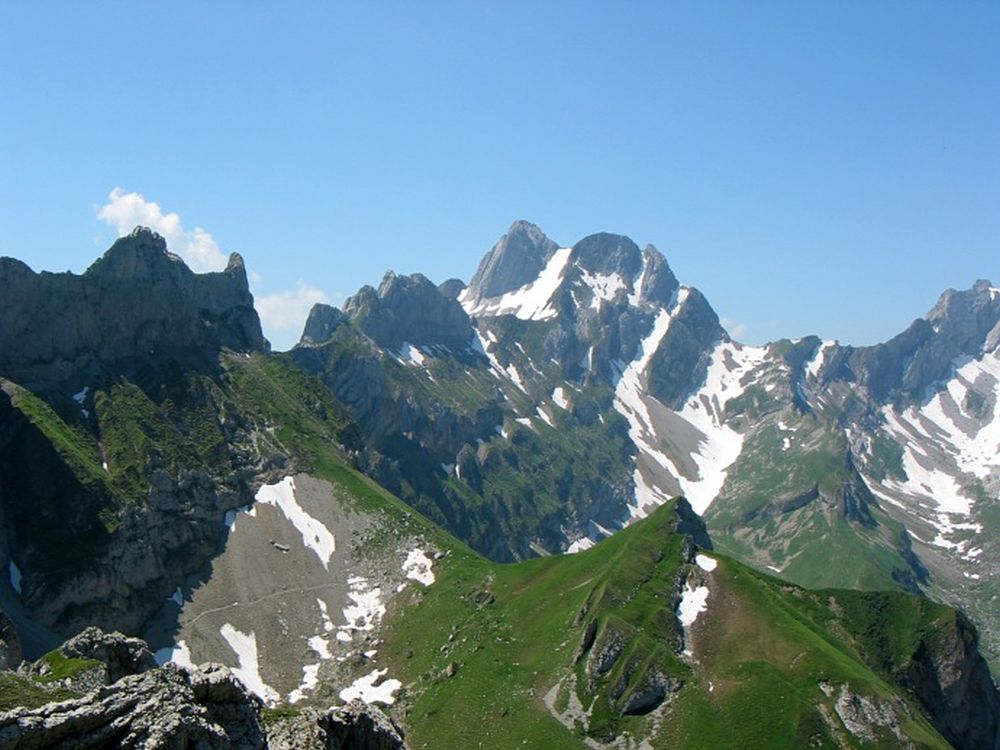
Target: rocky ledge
174	707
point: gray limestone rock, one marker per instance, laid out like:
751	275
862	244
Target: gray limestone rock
137	309
516	259
410	309
323	320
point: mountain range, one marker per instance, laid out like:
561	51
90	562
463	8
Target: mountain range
338	521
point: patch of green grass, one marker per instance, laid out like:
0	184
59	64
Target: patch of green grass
17	691
62	667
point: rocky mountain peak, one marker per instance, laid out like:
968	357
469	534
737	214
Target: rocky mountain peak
323	320
137	303
409	309
605	253
515	260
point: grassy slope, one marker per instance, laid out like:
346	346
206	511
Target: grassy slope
762	649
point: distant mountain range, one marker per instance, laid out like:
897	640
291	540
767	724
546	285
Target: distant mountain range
565	394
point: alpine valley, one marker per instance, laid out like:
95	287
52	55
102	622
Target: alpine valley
556	507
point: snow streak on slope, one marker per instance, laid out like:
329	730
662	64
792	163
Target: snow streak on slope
949	441
630	402
814	365
720	445
315	535
530	302
248	671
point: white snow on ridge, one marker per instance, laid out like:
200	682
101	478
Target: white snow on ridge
579	545
943	443
604	286
248	671
315	535
417	566
530	302
815	364
14	573
629	402
721	444
366	689
409	354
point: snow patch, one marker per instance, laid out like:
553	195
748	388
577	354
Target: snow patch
814	365
366	611
409	354
720	445
417	566
579	545
248	671
603	286
559	398
178	654
706	563
315	535
177	597
366	689
693	602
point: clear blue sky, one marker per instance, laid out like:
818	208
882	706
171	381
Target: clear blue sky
813	167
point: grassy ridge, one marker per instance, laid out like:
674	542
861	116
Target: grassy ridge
487	644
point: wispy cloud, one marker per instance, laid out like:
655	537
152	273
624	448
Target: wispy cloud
282	314
736	330
124	211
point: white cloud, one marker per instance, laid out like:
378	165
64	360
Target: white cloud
124	211
736	330
283	314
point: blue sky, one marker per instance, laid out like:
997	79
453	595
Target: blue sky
812	167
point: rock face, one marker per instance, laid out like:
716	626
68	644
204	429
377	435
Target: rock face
108	382
950	678
122	655
355	726
516	259
144	707
136	309
163	708
412	310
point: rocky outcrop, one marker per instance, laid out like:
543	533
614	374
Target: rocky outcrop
137	311
122	655
355	726
148	708
900	370
164	708
412	310
323	320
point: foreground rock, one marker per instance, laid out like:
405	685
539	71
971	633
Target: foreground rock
172	707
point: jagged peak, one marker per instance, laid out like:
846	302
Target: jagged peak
515	260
